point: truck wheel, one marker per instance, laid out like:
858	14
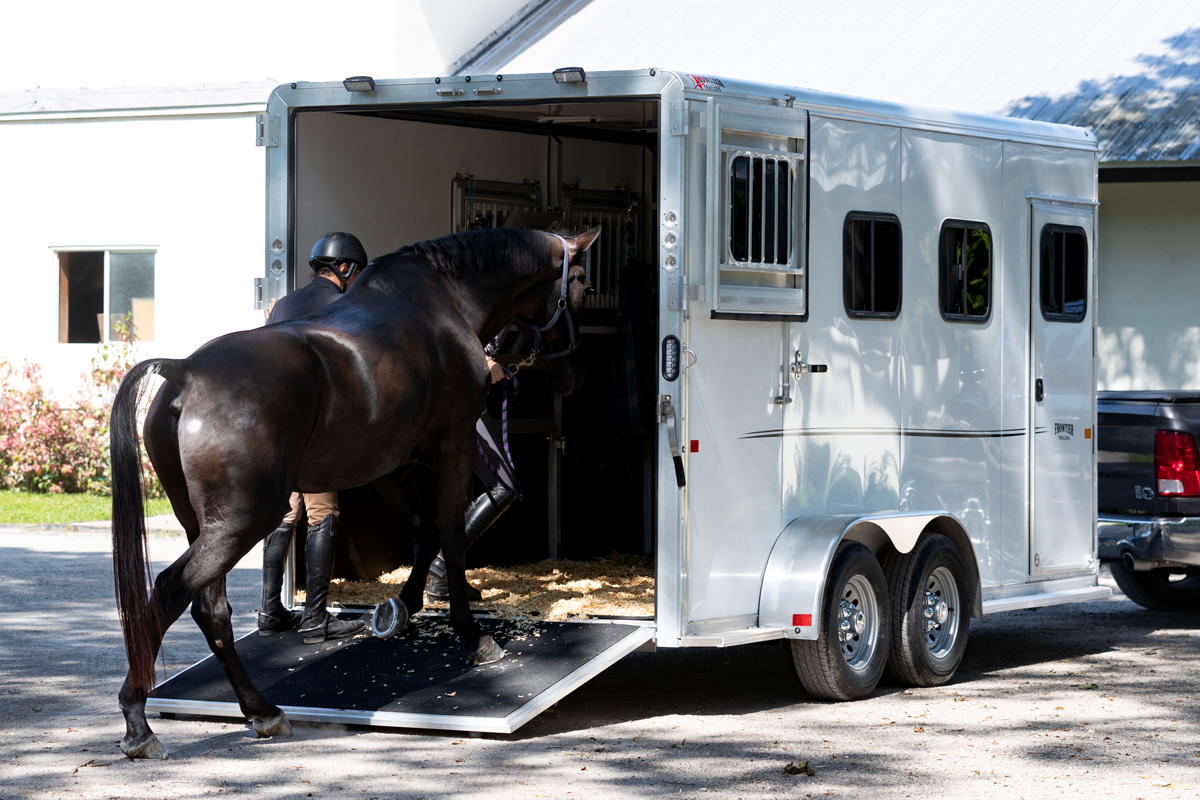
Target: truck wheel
1159	589
930	616
847	660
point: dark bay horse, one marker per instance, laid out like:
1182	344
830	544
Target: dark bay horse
390	376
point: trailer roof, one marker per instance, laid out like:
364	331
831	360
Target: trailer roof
541	87
1129	71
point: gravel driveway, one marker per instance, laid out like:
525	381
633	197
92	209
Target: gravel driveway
1091	700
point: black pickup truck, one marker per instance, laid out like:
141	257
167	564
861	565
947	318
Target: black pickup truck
1149	496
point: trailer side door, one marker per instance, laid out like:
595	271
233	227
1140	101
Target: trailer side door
744	275
1062	402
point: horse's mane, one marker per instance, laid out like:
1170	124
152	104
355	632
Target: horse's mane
510	250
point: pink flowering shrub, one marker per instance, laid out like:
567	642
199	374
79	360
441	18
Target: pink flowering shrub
46	446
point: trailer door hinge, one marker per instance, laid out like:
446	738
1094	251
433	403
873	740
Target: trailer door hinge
266	130
677	116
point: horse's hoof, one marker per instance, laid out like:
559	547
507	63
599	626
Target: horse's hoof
277	725
147	748
487	652
389	618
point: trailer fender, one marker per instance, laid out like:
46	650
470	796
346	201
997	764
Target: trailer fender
794	580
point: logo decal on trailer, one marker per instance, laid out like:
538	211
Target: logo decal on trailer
1064	431
706	84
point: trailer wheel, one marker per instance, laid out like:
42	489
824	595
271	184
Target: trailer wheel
1159	589
847	660
930	616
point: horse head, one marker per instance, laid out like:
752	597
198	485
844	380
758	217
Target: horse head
564	372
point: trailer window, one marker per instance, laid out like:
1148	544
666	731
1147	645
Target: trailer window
98	290
760	250
1064	273
965	266
871	265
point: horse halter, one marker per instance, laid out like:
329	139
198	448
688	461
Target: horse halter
558	312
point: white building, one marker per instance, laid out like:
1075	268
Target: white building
108	185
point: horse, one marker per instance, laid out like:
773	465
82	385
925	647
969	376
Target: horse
389	377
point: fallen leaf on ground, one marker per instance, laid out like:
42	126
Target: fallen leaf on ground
799	769
1088	686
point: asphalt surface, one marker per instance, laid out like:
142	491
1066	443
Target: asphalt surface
1019	720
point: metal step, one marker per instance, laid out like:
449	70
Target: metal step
1046	599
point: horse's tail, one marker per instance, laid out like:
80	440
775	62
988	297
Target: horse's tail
131	558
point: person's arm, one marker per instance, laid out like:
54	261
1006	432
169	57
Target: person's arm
497	372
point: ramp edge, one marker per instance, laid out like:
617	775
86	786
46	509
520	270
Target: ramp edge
579	677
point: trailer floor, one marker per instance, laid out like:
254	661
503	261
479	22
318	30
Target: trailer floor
418	678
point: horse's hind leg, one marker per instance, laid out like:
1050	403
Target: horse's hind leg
169	598
213	614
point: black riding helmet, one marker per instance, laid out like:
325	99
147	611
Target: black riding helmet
336	248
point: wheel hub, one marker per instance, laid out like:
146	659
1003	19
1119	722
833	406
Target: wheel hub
853	622
936	611
939	612
858	622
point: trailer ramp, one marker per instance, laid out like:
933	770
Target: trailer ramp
417	679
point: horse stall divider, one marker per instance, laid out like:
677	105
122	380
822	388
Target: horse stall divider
798	379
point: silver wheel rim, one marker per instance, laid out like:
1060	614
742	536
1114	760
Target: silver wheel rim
858	622
939	612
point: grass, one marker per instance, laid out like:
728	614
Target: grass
27	508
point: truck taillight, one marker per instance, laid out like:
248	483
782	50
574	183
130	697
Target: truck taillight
1177	464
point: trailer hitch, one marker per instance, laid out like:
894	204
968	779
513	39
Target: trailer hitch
666	413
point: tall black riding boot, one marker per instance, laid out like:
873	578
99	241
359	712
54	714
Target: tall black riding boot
318	625
273	618
486	509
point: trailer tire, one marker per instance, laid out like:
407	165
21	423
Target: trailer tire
1155	590
856	595
930	612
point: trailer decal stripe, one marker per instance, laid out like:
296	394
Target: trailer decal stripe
1000	434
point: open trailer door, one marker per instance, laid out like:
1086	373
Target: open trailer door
416	679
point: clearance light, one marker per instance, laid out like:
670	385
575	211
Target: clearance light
359	83
570	75
1177	464
670	358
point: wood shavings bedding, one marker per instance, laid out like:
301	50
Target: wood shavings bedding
619	586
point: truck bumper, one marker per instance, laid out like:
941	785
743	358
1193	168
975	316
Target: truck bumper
1167	539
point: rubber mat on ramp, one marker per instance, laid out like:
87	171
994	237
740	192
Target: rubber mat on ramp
416	679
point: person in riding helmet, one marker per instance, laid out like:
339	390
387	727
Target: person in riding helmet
336	260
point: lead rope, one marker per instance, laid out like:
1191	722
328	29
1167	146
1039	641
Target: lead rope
509	383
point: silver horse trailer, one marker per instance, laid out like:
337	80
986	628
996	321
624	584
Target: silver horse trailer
871	361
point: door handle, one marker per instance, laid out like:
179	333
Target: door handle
666	413
1039	391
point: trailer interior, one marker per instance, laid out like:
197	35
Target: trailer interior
394	176
398	175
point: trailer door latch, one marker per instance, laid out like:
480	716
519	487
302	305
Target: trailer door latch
666	413
799	367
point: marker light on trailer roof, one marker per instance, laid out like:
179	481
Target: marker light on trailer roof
359	83
570	75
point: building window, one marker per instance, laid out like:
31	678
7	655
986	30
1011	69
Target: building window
1064	273
98	289
965	264
871	265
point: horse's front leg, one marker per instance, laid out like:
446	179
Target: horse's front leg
398	493
453	476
